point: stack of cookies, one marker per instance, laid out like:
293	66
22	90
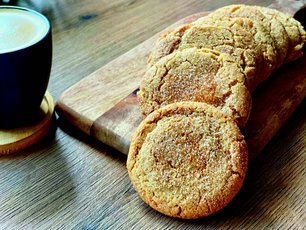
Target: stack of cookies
188	158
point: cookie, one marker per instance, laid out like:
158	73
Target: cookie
200	75
294	30
187	160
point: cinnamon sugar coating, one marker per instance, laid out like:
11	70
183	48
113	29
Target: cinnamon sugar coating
200	75
187	160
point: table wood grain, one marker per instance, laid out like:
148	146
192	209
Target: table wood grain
70	181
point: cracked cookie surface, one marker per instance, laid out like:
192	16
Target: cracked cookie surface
233	39
294	29
272	36
259	54
200	75
187	160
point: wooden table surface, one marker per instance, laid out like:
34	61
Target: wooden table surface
70	181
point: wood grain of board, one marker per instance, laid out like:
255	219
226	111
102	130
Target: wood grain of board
104	104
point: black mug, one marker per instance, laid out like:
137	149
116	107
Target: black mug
25	63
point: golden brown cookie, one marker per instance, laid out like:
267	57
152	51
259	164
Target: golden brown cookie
294	30
197	75
187	160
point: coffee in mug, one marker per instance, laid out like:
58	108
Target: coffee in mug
25	63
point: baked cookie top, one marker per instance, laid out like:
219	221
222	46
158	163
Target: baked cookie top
167	43
233	39
274	48
200	75
258	56
187	160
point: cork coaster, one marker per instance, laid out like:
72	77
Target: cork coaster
15	139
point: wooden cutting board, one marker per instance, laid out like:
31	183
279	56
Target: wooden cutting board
104	104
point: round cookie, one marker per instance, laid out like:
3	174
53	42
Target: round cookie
187	160
197	75
295	32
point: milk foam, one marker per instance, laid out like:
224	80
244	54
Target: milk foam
20	29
